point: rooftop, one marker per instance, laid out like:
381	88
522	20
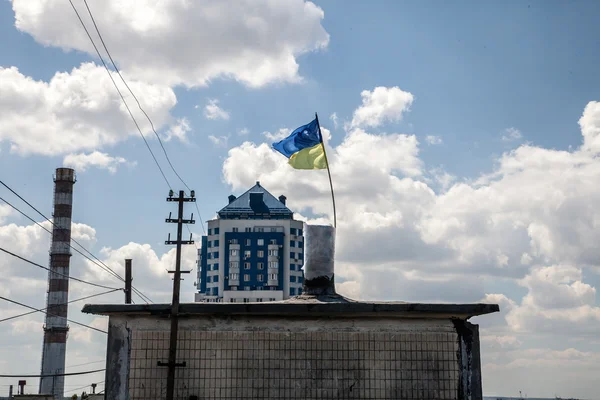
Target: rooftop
304	306
257	202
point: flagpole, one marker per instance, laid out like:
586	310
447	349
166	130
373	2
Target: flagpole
328	171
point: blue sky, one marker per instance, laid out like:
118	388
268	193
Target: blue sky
496	201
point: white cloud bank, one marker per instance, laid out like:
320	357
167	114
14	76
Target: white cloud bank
75	111
81	162
190	43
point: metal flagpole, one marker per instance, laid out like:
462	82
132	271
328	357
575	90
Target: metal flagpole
328	171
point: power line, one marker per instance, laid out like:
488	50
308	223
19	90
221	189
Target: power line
52	315
120	94
58	305
53	375
138	103
47	230
103	266
57	273
87	363
71	246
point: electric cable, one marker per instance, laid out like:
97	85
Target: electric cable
52	315
58	305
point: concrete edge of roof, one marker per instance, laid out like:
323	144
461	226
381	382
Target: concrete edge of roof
303	308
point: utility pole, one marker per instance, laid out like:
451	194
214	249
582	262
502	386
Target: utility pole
128	280
172	364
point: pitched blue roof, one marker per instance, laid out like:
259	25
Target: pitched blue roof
256	203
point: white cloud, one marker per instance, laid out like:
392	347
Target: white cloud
433	140
219	141
590	126
381	105
512	134
5	211
75	111
282	133
334	118
213	111
81	162
244	131
187	42
178	130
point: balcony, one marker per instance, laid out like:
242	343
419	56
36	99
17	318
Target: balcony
272	282
234	282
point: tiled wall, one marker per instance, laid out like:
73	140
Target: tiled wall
299	365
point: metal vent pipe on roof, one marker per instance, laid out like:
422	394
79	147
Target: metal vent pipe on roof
319	260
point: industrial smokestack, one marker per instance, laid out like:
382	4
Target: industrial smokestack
55	328
318	265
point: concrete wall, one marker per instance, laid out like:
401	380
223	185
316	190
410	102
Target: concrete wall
263	357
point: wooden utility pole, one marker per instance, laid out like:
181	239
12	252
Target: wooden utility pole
128	280
172	363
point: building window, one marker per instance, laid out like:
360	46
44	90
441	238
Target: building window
216	254
233	241
248	229
260	253
292	278
260	277
292	231
247	254
234	229
234	264
273	252
215	266
273	241
246	265
272	277
300	256
234	277
299	291
246	277
216	243
248	242
208	279
292	255
216	278
210	231
233	252
233	300
260	242
209	244
292	291
215	291
300	279
292	267
209	256
246	300
272	299
260	265
273	264
259	300
247	288
299	232
259	229
292	243
216	231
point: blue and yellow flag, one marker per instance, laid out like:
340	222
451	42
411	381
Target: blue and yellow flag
304	147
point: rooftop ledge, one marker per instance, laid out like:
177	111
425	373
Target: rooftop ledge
306	306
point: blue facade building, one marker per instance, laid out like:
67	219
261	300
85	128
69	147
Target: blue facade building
253	251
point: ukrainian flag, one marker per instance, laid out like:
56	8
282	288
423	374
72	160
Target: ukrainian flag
304	147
